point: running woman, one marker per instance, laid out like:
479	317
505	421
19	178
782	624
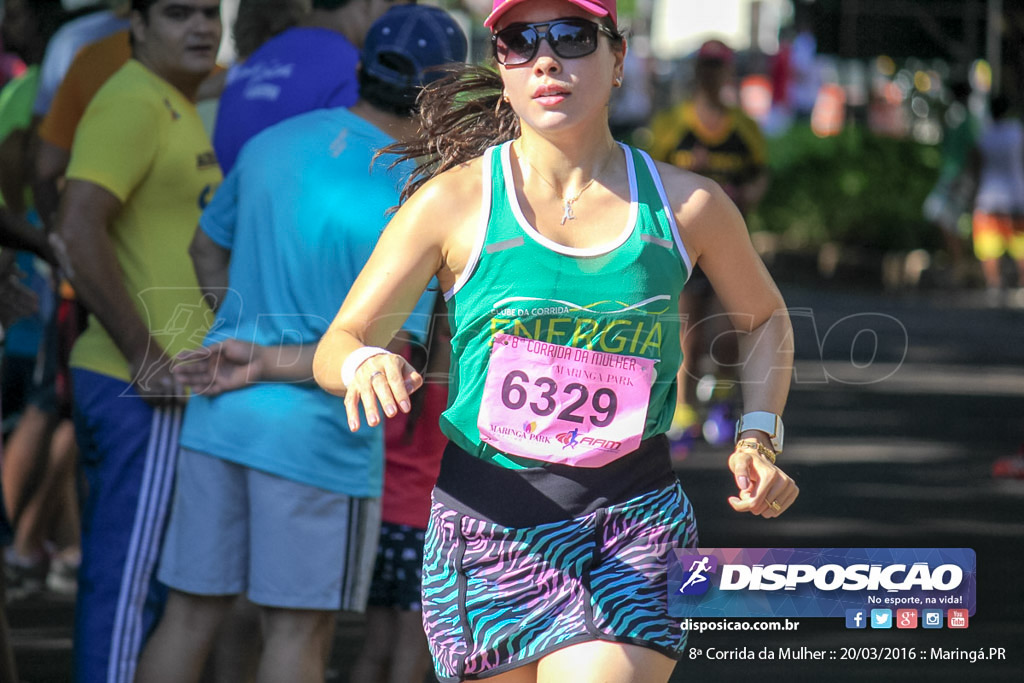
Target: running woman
562	254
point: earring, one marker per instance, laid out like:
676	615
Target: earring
617	82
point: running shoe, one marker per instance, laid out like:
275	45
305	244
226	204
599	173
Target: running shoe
23	577
62	578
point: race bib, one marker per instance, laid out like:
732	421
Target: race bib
563	405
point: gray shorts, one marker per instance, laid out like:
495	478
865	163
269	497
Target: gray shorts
236	530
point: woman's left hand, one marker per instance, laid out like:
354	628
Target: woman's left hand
764	489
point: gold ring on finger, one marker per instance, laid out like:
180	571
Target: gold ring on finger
774	505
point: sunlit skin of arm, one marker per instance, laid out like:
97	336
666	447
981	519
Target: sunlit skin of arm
715	235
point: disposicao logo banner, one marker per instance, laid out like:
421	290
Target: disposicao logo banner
817	582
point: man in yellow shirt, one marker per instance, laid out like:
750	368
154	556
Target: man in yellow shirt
141	169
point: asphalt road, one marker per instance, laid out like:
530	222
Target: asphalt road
900	405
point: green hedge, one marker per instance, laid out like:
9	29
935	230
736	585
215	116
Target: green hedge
856	188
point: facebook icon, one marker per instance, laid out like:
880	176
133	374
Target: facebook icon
856	618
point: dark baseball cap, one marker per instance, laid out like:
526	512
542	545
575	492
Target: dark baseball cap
426	36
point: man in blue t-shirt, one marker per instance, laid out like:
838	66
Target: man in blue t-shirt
275	497
309	66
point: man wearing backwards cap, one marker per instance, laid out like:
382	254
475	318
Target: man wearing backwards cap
275	496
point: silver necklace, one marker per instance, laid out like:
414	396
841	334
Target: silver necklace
567	202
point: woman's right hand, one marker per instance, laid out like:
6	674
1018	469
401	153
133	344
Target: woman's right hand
381	382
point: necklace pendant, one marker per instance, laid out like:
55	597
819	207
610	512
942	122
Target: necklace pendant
567	213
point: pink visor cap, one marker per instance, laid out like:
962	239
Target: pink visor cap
599	8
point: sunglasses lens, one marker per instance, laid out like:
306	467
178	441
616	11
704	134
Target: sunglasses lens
516	45
568	39
572	40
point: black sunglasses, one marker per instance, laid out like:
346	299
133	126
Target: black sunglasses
569	39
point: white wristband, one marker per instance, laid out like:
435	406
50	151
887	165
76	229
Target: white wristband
355	359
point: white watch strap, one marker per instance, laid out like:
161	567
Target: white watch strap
763	421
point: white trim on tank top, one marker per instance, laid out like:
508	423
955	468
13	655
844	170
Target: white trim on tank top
669	213
599	250
485	216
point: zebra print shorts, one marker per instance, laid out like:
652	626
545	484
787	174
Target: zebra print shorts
496	598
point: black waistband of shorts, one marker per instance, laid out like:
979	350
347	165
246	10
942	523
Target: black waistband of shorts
540	495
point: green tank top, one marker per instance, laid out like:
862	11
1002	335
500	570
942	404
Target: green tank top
617	298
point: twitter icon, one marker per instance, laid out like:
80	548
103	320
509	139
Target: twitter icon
881	618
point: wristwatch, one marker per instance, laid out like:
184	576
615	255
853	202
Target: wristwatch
762	421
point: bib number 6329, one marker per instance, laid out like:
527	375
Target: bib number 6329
577	402
555	404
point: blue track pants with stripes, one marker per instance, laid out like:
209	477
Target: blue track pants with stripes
128	455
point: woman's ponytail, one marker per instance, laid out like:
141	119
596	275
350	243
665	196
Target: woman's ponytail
460	116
